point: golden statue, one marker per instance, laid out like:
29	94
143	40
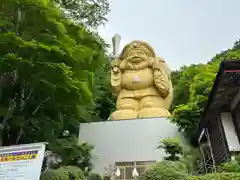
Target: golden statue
142	83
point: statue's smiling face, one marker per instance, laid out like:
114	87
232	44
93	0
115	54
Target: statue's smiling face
136	56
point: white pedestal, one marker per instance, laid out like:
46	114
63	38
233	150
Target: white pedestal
126	141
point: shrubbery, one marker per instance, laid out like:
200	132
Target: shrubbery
169	170
172	147
166	170
63	173
218	176
232	166
176	151
176	170
94	176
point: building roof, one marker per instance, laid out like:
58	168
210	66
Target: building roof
225	88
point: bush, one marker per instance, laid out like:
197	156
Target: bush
58	174
63	173
166	170
218	176
106	178
94	176
172	147
232	166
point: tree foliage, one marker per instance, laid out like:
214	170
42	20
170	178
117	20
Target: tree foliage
49	66
166	170
94	176
177	151
172	147
73	153
192	85
105	99
231	166
90	13
216	176
63	173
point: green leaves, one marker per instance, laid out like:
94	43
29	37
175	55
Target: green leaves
191	89
91	13
63	173
173	147
49	77
73	153
233	166
166	170
217	176
187	117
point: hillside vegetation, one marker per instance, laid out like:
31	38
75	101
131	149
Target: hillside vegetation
192	85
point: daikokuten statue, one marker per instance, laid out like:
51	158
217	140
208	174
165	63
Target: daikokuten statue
142	83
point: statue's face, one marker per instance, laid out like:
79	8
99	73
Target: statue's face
136	56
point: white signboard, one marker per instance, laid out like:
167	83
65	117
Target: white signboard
21	162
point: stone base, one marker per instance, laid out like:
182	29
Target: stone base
126	141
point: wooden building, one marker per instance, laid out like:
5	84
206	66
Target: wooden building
219	128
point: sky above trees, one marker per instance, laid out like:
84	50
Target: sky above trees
183	32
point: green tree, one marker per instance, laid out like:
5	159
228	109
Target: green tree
172	147
48	68
94	176
73	153
91	13
105	99
237	44
192	89
177	151
166	170
231	166
216	176
63	173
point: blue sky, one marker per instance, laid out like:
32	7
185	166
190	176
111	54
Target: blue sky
183	32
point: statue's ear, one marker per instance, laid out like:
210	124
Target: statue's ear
161	59
166	67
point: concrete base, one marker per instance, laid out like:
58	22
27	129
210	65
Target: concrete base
127	140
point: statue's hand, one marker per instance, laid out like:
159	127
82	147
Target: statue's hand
115	70
116	74
115	66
